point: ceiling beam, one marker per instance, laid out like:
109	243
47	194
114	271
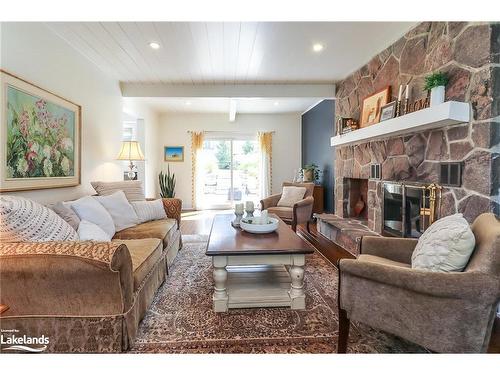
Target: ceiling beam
285	90
232	109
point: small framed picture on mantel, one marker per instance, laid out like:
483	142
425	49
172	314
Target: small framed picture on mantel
388	111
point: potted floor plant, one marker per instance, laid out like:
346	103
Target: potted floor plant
167	184
436	83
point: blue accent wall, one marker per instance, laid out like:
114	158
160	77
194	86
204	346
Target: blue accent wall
317	128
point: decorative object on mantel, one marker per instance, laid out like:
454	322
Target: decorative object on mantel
311	173
435	83
346	125
399	103
40	137
417	105
131	151
249	208
388	111
167	184
238	212
372	104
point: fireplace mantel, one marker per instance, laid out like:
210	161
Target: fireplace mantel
446	114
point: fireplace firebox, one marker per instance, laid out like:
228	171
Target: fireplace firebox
409	209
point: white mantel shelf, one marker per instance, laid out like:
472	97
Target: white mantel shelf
448	113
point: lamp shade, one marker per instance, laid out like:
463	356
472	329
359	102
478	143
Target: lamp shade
131	150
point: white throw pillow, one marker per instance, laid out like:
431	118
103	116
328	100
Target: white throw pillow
445	246
23	220
291	195
149	210
119	208
88	208
88	231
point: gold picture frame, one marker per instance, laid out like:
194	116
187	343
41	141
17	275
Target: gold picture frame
371	106
40	135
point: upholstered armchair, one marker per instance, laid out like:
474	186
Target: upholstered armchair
300	213
441	311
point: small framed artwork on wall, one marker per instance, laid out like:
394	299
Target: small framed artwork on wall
370	111
173	153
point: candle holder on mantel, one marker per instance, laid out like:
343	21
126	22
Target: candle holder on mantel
405	107
398	109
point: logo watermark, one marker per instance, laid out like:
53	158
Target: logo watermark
12	341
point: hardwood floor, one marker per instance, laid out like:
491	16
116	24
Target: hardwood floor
200	222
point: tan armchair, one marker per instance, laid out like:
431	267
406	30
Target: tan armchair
442	311
300	213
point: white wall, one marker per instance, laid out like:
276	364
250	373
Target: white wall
148	136
286	142
33	52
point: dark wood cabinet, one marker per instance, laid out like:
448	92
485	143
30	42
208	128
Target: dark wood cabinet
319	199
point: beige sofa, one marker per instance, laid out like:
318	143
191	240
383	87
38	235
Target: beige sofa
87	296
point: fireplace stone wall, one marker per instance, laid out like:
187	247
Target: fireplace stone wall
470	54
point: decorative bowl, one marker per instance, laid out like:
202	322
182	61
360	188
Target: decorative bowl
247	225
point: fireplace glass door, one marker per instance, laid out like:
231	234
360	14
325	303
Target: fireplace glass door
402	205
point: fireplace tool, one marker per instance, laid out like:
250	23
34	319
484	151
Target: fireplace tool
432	211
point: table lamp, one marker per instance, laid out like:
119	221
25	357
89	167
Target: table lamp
131	151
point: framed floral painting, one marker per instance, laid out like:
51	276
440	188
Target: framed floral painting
40	145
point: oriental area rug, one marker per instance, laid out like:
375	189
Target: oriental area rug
181	319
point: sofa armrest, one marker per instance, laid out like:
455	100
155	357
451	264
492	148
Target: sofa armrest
396	249
66	278
474	286
302	210
271	201
173	208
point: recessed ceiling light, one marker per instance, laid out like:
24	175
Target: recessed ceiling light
188	103
154	45
276	103
318	47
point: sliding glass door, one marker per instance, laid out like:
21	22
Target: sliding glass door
229	171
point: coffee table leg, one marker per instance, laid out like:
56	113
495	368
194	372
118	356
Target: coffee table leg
297	295
220	297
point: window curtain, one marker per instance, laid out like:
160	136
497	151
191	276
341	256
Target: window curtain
196	186
266	161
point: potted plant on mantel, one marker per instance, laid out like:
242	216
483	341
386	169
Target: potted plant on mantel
436	83
310	173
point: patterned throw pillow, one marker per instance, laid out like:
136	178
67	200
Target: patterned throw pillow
149	210
23	220
133	189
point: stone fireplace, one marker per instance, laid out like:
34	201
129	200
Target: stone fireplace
467	53
463	50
